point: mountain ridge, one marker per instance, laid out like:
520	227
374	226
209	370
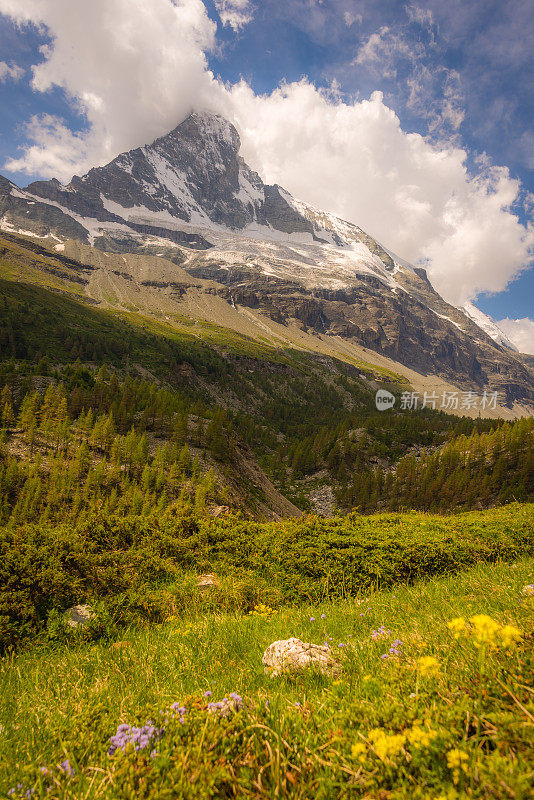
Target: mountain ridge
190	197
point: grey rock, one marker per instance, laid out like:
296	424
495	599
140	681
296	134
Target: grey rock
79	616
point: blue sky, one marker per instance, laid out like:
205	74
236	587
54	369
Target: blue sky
458	73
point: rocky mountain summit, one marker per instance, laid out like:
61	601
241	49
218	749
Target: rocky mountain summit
190	199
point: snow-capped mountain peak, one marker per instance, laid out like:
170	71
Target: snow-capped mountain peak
191	191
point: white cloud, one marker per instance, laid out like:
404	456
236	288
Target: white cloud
418	199
351	18
434	91
10	72
135	70
56	148
383	50
421	16
235	13
436	95
520	332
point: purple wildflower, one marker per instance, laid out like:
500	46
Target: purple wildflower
216	706
179	711
312	619
385	655
237	700
140	738
65	766
207	694
224	706
323	616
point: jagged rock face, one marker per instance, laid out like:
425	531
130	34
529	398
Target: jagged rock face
194	174
192	193
18	212
397	324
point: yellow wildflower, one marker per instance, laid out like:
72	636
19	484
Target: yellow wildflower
419	737
428	665
262	610
509	635
386	745
485	629
457	626
457	763
359	751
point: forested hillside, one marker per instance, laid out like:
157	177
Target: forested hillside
102	411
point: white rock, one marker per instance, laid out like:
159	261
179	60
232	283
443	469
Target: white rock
293	654
528	590
79	616
208	581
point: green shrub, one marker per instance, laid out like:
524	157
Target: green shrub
143	568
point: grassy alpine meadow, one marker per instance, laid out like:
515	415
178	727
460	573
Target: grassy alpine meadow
432	697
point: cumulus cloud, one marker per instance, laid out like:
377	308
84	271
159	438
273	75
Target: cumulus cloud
135	72
434	92
520	332
10	72
132	69
354	159
235	13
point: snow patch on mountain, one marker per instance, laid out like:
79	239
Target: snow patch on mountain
488	326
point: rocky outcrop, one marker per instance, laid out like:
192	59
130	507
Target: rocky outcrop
23	214
402	325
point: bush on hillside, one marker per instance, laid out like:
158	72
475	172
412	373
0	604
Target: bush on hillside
142	567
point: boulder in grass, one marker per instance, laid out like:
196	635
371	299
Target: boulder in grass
79	616
208	581
290	655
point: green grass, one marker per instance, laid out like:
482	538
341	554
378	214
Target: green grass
65	702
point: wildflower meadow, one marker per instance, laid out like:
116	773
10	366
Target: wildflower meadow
432	698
